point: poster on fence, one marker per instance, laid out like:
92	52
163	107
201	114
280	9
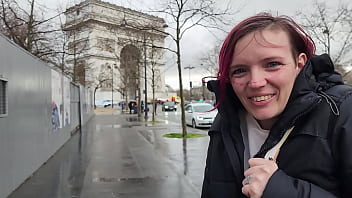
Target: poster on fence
67	101
56	101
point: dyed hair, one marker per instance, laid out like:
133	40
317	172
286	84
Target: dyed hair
300	41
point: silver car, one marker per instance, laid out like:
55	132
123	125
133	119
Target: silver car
199	114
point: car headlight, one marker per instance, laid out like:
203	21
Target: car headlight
166	107
175	106
199	117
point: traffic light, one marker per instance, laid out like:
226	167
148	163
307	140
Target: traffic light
203	81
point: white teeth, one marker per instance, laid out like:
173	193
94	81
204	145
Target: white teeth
261	98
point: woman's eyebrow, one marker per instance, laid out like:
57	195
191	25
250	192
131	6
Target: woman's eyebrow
272	58
237	65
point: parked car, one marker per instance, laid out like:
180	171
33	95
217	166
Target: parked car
199	114
169	106
107	103
187	103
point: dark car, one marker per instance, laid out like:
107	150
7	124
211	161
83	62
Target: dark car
169	106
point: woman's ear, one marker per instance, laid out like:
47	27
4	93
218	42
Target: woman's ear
301	61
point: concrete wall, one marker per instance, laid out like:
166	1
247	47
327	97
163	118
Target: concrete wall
27	138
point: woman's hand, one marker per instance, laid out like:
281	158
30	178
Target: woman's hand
257	176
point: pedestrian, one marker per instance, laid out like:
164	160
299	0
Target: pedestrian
284	123
130	106
122	104
142	106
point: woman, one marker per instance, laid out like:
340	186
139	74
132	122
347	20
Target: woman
284	125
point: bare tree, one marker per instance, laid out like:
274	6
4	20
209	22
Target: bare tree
332	29
30	31
100	80
130	57
210	60
141	36
76	47
184	15
155	75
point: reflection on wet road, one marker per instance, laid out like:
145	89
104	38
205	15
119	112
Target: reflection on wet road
119	156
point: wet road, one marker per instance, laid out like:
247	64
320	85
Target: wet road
118	156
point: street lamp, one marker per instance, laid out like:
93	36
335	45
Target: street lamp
145	78
190	82
112	84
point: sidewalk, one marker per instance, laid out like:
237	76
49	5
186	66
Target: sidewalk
119	156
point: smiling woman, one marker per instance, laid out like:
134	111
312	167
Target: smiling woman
263	71
279	107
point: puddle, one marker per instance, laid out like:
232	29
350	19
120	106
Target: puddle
123	179
116	126
134	119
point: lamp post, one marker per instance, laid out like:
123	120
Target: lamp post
112	84
145	78
203	88
190	82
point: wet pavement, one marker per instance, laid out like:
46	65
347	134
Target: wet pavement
119	156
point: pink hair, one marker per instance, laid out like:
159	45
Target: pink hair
301	42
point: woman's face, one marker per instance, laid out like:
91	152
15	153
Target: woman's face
262	73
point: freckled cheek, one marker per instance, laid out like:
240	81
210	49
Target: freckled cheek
238	87
237	83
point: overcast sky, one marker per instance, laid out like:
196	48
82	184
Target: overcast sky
197	41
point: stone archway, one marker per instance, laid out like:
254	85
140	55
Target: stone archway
130	70
100	23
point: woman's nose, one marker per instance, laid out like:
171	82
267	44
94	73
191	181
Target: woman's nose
257	79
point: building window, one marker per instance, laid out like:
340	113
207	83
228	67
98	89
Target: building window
3	98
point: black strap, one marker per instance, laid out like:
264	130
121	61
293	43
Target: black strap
232	153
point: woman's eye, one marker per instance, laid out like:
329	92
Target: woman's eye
238	71
273	64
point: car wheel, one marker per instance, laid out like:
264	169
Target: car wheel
194	125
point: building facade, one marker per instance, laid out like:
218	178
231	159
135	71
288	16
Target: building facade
115	50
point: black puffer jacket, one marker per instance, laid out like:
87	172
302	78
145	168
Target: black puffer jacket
316	159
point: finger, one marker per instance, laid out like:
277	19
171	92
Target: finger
246	180
257	164
245	191
257	161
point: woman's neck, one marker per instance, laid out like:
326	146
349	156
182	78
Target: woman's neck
267	124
